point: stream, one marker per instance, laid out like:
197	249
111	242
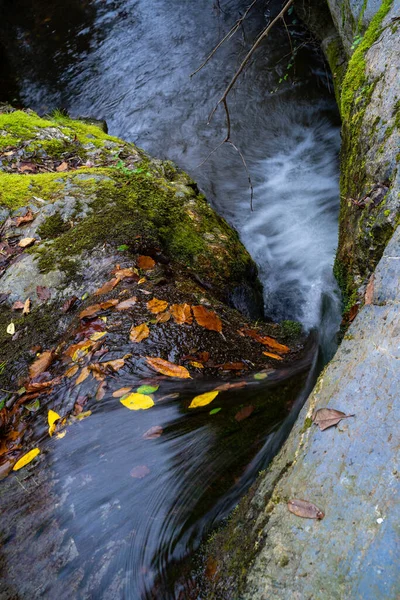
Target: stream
84	526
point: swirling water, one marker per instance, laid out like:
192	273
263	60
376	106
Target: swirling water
84	526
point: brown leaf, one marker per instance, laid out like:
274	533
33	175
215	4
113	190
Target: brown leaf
115	365
124	273
145	262
125	304
43	293
207	318
107	287
26	242
272	355
62	167
182	313
18	305
163	317
101	391
305	509
139	333
153	433
27	168
328	417
156	306
232	366
94	309
84	374
68	304
121	392
266	341
140	472
231	386
167	368
244	413
41	364
77	351
353	312
71	371
28	218
27	307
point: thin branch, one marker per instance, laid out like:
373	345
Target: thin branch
247	171
230	33
288	34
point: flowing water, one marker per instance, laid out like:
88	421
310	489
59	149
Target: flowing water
85	527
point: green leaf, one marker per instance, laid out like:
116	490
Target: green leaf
214	411
260	375
147	389
2	403
122	248
33	406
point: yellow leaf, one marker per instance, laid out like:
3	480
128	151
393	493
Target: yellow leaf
142	280
156	306
272	355
61	434
11	329
26	459
98	335
137	401
52	417
83	415
203	399
196	364
139	333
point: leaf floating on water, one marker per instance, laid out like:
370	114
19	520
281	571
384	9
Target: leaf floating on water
79	350
272	355
121	392
147	389
244	413
107	287
52	418
139	333
101	391
72	371
203	399
266	340
182	314
41	364
260	376
83	415
26	459
167	368
231	386
207	318
328	417
163	317
84	374
140	472
232	366
305	509
156	306
61	434
137	401
32	406
214	411
153	433
126	304
11	329
145	262
26	242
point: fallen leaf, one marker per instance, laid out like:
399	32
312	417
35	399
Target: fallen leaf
272	355
28	218
232	366
101	391
79	350
153	433
125	304
147	389
142	280
62	167
305	509
156	306
83	415
203	399
197	365
167	368
231	386
72	371
27	307
163	317
26	242
137	401
84	374
61	434
10	328
43	293
244	413
97	335
18	305
266	340
145	262
107	287
260	376
353	312
32	406
140	472
124	273
41	364
214	411
52	418
328	417
26	459
121	392
182	313
207	318
27	167
68	304
139	333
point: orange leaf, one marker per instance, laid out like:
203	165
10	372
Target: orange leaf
266	341
107	287
207	318
121	392
139	333
163	317
156	306
196	364
232	366
167	368
145	262
62	167
182	313
41	364
84	374
77	351
94	309
28	218
272	355
123	273
125	304
72	371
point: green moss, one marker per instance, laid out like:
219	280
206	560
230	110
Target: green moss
19	190
52	227
307	424
338	64
20	126
291	330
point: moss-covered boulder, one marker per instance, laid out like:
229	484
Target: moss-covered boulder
109	258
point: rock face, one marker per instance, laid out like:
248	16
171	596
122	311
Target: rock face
109	257
351	472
